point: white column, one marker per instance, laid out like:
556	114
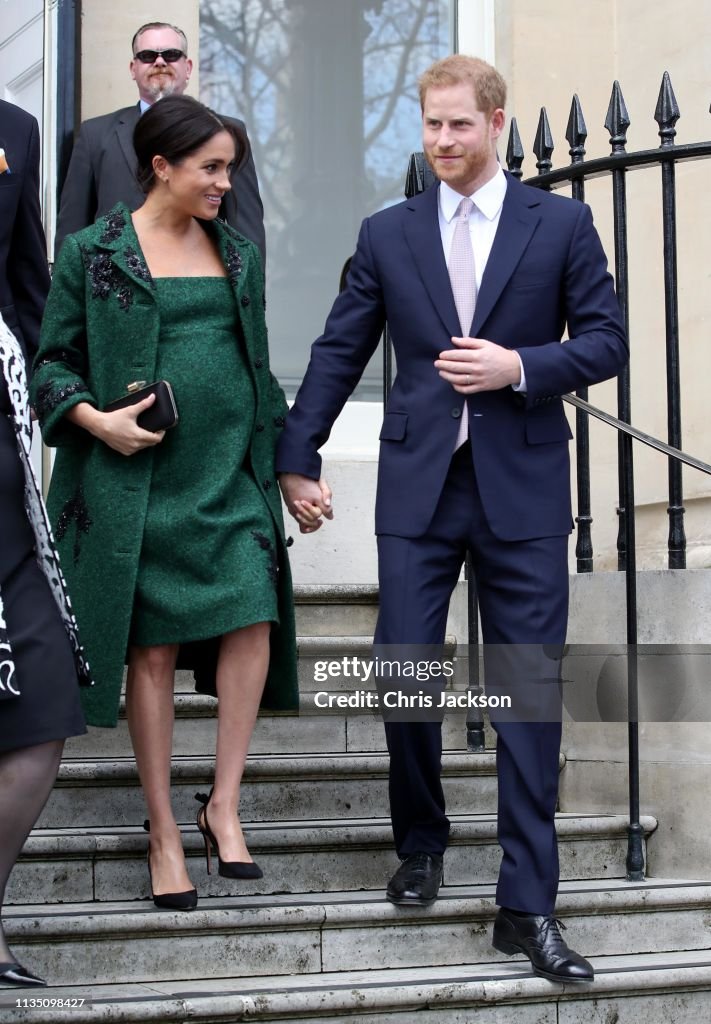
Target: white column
475	28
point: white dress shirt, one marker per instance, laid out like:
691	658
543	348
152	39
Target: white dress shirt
483	222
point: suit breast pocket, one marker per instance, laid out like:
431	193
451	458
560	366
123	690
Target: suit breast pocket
534	283
394	426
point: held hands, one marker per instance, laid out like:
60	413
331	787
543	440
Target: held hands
308	501
478	365
117	429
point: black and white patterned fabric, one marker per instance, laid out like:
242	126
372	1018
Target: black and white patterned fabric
13	368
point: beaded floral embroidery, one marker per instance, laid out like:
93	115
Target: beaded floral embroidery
74	510
137	265
49	396
114	226
266	545
105	279
233	263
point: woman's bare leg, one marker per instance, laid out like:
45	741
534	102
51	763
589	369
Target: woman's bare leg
149	707
241	674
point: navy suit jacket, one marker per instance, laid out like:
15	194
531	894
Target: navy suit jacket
24	278
102	172
547	270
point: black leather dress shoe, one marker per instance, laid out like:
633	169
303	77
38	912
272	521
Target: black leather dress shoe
16	974
540	940
416	882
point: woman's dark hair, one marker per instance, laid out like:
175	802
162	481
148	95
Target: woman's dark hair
174	128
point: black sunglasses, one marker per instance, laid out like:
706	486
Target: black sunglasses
151	56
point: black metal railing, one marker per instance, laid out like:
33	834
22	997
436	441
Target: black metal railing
575	174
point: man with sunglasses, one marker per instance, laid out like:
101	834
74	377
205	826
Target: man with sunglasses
102	169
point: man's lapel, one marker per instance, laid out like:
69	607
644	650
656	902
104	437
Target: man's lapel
124	131
519	219
425	241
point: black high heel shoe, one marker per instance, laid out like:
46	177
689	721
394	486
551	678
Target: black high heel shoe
16	974
170	900
226	868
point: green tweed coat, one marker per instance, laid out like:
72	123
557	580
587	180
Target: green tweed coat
100	332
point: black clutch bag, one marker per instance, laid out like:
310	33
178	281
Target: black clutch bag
162	415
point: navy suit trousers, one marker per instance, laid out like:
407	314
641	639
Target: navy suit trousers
522	588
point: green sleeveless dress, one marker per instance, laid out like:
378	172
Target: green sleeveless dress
208	561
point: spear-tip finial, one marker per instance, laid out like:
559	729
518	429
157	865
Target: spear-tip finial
543	145
576	133
514	150
617	120
667	111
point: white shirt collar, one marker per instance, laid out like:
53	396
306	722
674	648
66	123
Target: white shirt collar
488	199
144	106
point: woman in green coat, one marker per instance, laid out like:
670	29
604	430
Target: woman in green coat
172	539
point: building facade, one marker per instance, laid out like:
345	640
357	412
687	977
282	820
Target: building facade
327	89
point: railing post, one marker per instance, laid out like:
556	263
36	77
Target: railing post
635	835
617	122
475	719
576	134
666	115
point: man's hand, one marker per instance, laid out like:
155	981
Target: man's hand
478	365
308	501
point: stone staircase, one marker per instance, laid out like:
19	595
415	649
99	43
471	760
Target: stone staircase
315	940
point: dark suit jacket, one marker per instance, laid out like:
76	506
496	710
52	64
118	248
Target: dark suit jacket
102	172
24	278
546	270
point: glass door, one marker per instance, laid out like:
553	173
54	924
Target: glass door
328	90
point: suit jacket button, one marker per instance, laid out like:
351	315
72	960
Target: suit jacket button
259	428
258	364
245	300
456	413
267	485
279	421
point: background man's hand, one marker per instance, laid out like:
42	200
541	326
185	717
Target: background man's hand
308	501
478	365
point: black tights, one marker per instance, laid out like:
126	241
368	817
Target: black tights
26	779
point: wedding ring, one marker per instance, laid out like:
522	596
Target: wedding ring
469	378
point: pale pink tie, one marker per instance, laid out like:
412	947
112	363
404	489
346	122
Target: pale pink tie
462	276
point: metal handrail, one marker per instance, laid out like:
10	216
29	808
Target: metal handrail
639	435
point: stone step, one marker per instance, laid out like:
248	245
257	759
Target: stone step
336	609
280	787
250	936
106	864
657	988
311	730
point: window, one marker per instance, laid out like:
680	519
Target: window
328	90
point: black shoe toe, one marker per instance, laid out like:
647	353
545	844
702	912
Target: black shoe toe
16	974
416	882
539	938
